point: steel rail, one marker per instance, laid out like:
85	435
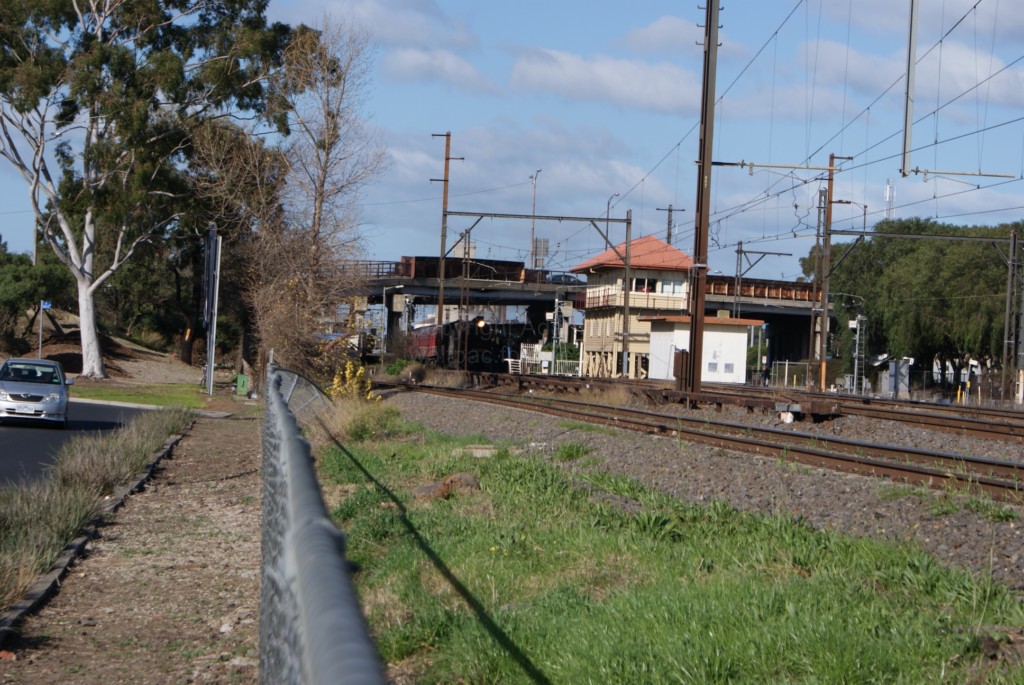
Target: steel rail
987	466
999	479
995	414
982	422
964	425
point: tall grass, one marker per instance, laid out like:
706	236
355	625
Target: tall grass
355	419
104	462
534	579
38	518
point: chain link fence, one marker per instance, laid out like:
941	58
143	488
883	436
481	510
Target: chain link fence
312	629
304	399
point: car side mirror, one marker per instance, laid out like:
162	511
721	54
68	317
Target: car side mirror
69	381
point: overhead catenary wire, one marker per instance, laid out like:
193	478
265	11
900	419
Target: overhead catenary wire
790	184
764	196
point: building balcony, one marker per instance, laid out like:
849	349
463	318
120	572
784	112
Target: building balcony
609	296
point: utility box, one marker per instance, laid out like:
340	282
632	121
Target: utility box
898	382
681	368
241	384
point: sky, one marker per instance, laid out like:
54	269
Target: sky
604	100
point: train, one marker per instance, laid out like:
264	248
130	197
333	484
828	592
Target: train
474	345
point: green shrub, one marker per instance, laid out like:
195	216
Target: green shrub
374	422
396	367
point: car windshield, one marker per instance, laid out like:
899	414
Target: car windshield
27	372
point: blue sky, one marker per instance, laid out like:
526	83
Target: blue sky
604	98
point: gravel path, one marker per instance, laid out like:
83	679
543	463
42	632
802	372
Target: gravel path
858	505
168	591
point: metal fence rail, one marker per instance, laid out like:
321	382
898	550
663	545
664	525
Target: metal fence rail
312	629
304	399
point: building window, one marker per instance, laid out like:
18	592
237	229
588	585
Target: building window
645	285
712	367
728	368
672	286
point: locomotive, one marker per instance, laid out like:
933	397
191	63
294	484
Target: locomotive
475	345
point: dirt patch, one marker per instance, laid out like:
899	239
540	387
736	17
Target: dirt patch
123	360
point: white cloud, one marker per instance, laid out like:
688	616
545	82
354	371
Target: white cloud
1003	22
842	81
582	165
865	74
402	23
666	35
661	87
962	67
413	64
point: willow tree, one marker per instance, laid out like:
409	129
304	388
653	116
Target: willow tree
97	98
935	297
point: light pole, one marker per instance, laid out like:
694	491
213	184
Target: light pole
533	217
864	226
608	212
625	284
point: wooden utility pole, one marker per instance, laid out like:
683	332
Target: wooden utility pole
627	277
1009	341
668	232
444	224
700	239
826	269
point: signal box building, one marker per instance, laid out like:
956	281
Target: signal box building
659	285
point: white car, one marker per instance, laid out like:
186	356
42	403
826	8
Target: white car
34	389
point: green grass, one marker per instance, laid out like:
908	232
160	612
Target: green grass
993	511
570	451
531	580
164	395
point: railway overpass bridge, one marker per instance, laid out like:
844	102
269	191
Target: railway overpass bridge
477	284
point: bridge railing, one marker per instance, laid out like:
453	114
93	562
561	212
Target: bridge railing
312	629
372	269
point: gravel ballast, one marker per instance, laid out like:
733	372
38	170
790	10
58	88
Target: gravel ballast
939	522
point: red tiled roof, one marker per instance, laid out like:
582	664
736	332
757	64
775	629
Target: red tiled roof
645	253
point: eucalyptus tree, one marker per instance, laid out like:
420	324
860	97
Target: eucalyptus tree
97	99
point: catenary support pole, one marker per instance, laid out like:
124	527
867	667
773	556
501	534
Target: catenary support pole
704	165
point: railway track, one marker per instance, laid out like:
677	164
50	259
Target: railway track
988	423
1005	425
1002	480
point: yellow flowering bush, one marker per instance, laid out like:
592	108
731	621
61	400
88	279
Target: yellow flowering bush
351	382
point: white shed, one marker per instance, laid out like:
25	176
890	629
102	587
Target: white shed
724	355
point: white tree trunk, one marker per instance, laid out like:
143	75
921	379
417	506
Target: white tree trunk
92	359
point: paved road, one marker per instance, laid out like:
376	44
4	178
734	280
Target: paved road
27	448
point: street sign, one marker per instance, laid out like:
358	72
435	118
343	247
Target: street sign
43	304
